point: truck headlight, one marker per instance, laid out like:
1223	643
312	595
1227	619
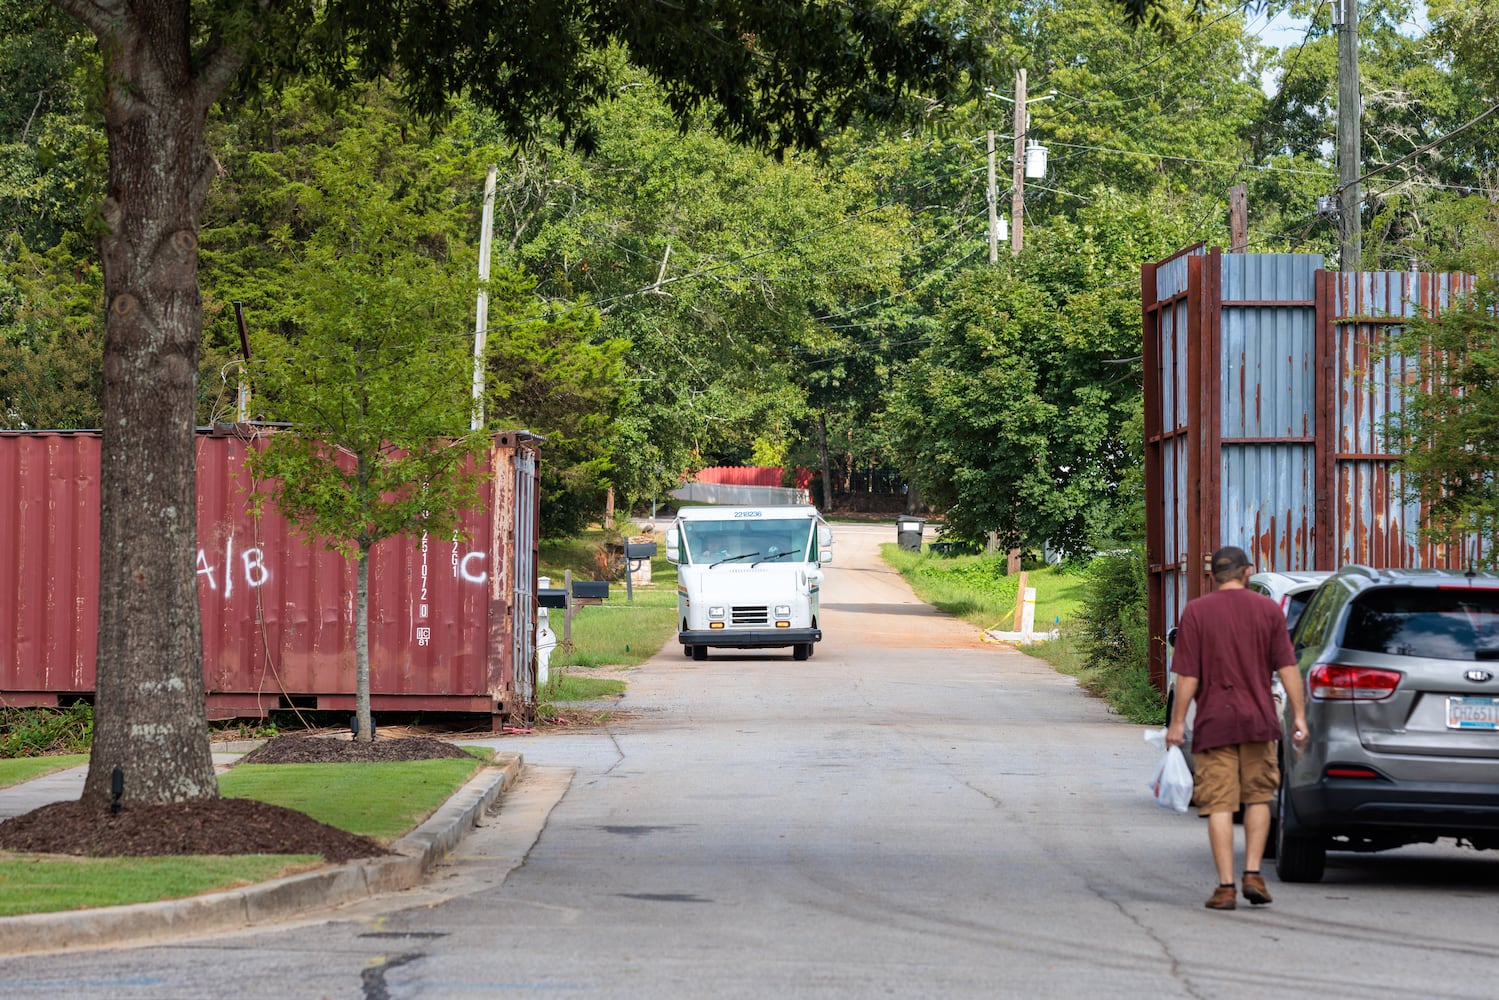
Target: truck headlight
715	612
783	611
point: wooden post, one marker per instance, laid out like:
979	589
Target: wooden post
1238	219
567	610
1020	600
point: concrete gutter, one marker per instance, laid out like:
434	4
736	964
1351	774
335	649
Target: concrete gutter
268	902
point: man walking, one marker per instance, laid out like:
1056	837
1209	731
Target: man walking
1228	644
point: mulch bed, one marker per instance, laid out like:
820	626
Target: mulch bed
211	826
326	750
218	826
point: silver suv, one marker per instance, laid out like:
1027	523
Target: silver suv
1401	672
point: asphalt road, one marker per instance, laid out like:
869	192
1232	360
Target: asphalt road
911	813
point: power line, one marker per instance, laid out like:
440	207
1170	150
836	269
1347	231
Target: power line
1418	150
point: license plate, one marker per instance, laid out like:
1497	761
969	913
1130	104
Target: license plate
1472	713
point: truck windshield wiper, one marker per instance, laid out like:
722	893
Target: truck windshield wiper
743	555
777	555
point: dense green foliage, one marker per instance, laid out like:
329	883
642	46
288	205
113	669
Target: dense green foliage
674	299
1113	631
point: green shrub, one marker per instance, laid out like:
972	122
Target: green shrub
1113	626
32	732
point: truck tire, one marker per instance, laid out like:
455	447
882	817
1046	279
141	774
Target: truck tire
699	652
801	651
1300	856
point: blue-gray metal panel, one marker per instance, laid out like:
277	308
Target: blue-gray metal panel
1267	368
1267	363
1375	523
1171	277
523	634
1267	503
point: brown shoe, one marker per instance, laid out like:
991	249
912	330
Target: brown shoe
1223	898
1254	889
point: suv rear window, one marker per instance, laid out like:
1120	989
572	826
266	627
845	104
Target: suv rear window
1456	624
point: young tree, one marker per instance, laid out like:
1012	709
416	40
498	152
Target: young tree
377	390
1447	428
775	74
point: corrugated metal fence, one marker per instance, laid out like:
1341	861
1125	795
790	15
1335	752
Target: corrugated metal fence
1265	400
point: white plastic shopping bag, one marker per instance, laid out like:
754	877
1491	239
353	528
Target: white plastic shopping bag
1172	782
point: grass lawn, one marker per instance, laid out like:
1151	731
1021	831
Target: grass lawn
1129	691
619	633
975	589
45	883
14	770
579	687
382	801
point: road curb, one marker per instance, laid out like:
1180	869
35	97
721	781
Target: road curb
266	902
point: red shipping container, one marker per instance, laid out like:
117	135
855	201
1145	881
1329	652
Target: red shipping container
451	620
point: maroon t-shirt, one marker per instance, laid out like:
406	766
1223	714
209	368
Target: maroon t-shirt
1232	641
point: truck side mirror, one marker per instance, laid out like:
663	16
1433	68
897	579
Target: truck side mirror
671	544
824	536
824	556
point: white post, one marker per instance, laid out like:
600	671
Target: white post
1028	617
481	323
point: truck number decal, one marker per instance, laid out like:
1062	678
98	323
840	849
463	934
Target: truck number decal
747	513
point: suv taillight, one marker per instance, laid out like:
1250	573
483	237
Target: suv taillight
1338	682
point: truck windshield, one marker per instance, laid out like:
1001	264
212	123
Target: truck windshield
747	539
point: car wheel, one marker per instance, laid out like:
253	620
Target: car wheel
801	651
1299	856
699	652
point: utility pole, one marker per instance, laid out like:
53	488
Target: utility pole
1350	126
1017	203
993	206
481	322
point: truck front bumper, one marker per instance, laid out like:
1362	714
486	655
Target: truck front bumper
764	638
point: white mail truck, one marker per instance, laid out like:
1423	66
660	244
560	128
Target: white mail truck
749	577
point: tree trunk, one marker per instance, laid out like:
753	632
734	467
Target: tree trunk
364	723
827	465
913	498
149	716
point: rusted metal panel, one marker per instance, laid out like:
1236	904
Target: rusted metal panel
49	488
1375	522
1265	422
1166	325
1287	393
277	610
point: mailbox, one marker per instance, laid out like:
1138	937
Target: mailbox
640	550
551	597
591	589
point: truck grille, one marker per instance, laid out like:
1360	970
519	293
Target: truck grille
751	615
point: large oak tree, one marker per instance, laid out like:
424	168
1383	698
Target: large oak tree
773	73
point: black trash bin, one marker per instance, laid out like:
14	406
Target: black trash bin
908	532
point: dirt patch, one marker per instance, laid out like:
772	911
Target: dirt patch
332	750
212	826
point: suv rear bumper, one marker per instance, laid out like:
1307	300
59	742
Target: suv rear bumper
1367	806
723	638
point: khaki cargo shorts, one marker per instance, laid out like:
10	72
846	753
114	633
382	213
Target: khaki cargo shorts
1224	778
